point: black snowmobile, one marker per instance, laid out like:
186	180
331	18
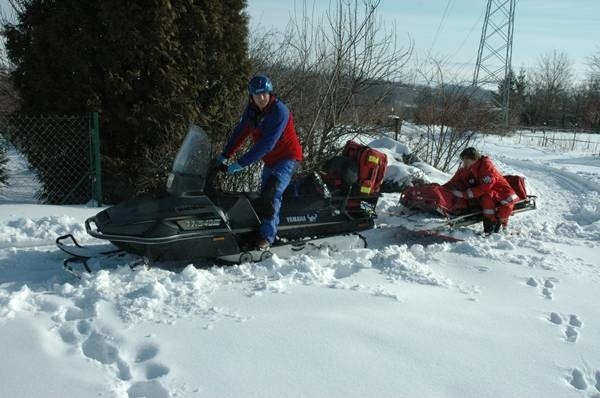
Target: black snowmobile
192	220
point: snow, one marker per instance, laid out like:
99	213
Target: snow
22	184
508	315
398	171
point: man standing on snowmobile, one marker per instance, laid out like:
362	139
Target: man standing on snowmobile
270	124
479	179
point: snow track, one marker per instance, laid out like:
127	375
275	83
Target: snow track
565	181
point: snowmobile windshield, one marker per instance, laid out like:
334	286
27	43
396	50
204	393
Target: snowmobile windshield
191	164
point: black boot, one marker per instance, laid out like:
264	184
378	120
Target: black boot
263	245
490	226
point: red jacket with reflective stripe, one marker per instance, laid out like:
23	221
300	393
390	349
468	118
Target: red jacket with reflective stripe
482	178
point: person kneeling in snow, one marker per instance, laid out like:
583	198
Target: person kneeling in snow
479	179
271	125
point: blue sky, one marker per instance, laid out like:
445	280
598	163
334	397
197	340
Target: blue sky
571	26
540	26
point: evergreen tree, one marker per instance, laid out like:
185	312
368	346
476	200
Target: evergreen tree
149	67
517	96
519	99
500	95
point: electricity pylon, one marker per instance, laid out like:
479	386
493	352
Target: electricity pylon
495	50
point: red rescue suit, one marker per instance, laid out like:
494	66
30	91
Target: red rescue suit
482	181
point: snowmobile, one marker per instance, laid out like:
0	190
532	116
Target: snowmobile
193	220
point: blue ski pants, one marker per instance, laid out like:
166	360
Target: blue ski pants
274	180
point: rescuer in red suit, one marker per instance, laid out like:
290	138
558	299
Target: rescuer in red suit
479	179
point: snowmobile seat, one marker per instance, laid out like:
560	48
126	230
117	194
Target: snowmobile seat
310	185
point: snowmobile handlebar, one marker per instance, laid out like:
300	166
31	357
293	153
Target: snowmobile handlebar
214	168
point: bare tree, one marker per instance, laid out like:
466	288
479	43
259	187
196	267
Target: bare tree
554	72
594	65
450	114
552	80
589	109
334	70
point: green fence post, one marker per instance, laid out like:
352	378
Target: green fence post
97	171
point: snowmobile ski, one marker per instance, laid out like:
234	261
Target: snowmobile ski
333	244
81	255
75	249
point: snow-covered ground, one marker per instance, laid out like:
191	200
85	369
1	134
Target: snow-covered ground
504	316
22	184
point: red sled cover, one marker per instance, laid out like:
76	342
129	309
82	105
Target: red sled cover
433	198
371	166
518	185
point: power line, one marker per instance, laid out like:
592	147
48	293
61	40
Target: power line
455	52
449	3
452	55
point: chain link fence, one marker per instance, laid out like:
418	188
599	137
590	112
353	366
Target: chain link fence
61	154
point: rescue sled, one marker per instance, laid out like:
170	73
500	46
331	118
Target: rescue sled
451	212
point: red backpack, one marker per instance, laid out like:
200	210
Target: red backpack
371	166
433	198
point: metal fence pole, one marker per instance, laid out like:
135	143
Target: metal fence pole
95	157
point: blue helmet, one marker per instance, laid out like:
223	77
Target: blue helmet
260	84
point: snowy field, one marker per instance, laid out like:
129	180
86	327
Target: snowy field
505	316
557	140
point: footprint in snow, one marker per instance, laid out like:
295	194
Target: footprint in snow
146	352
147	389
585	381
102	349
548	289
68	334
532	282
71	325
578	380
145	367
572	325
156	370
84	327
545	285
75	327
152	370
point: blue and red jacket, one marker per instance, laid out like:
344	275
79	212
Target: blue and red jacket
272	131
